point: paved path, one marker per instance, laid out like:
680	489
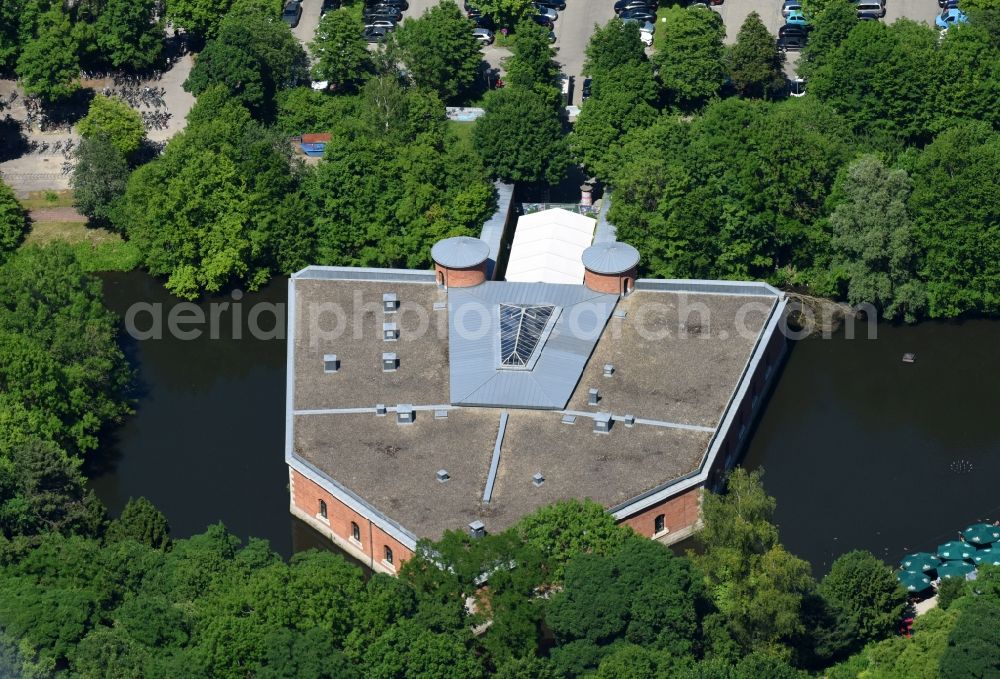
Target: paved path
573	30
178	101
308	23
56	214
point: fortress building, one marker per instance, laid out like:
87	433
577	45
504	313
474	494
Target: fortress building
420	401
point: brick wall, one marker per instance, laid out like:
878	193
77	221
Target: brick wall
461	278
305	499
681	515
611	284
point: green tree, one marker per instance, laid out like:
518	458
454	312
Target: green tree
99	178
956	217
968	78
505	13
622	99
10	34
48	65
612	45
142	522
533	60
872	239
863	591
973	649
570	527
520	136
43	491
830	28
692	60
339	52
220	206
128	35
62	373
114	120
894	102
755	67
253	57
13	221
199	17
440	51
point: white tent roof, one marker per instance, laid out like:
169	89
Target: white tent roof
548	246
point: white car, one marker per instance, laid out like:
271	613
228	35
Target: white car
546	12
483	35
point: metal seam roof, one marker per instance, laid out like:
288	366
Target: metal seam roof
460	252
610	257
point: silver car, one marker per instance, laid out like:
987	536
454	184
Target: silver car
483	35
790	6
546	12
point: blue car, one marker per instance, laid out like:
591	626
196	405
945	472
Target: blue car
796	18
951	17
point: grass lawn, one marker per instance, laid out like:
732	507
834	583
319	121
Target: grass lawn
43	233
97	249
463	131
38	200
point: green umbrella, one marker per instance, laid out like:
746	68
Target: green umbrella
988	556
919	561
956	550
913	581
955	569
981	534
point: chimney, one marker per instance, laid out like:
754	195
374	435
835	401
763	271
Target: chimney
390	332
390	302
593	396
330	363
389	362
442	475
602	423
537	479
629	420
380	409
609	369
404	414
477	529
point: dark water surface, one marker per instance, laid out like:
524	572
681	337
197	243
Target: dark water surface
860	450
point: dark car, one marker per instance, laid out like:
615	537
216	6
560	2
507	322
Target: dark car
542	21
554	4
474	13
792	37
382	12
329	6
484	22
292	13
375	33
585	90
639	15
624	5
401	5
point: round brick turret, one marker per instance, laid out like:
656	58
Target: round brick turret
610	267
460	262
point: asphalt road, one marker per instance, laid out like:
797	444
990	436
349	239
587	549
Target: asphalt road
573	29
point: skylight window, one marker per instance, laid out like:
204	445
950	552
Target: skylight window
521	330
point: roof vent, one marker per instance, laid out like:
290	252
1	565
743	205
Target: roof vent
440	414
568	419
593	396
442	475
390	302
331	363
537	479
389	362
477	529
380	409
609	369
390	332
629	420
404	414
440	306
602	423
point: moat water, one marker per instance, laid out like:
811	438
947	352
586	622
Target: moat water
860	450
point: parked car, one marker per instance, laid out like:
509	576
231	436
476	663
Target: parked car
483	21
625	5
792	37
639	14
382	12
796	18
474	13
542	21
647	26
554	4
544	11
328	6
401	5
585	89
791	6
797	87
375	33
381	23
951	17
552	36
483	35
292	13
872	7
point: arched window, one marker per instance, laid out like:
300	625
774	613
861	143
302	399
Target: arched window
322	508
440	277
355	531
388	555
659	524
